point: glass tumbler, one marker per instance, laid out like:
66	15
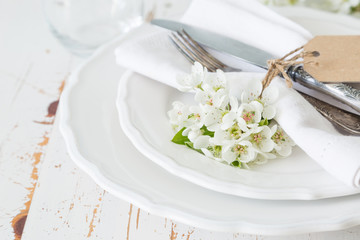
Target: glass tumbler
83	25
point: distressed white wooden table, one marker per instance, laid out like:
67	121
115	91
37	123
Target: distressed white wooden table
44	195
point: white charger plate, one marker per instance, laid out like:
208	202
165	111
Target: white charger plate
96	143
142	113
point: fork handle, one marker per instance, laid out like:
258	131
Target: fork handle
341	92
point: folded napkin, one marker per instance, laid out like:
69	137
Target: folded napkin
152	55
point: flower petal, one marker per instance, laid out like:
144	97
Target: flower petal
214	127
284	151
219	137
207	152
212	117
186	131
242	124
228	120
267	145
228	156
269	112
194	134
253	91
270	95
256	106
234	103
201	97
201	142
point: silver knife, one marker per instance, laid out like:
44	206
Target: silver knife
339	91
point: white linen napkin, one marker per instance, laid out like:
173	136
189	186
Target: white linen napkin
152	55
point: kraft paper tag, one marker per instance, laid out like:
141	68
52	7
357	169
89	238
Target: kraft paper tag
338	60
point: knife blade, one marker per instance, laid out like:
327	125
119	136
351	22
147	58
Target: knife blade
219	42
347	97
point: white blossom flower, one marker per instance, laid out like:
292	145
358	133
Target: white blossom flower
230	116
283	143
192	133
261	139
241	151
194	80
267	98
178	115
217	99
195	135
212	118
196	117
215	82
213	152
239	130
214	105
223	116
250	113
252	92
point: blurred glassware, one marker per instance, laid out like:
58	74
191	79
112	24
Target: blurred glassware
83	25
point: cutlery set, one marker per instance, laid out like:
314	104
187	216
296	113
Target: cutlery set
189	41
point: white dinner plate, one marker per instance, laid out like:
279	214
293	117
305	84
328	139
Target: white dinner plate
142	113
90	125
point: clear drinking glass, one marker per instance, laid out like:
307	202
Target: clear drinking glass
84	25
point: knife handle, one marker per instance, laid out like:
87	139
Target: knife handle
345	121
341	92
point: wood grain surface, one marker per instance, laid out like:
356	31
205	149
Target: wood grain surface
44	195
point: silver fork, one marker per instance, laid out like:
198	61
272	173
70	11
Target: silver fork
345	121
194	52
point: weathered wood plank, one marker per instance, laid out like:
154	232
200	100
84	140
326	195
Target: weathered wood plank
31	78
69	205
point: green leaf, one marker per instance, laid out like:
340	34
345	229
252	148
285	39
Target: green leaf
179	138
184	140
206	132
191	146
264	122
236	164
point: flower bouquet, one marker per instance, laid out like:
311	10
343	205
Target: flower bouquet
222	128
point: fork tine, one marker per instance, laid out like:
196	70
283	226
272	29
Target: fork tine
201	51
193	52
188	51
181	50
200	56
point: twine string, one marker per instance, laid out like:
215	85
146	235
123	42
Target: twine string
281	65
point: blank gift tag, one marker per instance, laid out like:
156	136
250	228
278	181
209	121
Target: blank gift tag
339	59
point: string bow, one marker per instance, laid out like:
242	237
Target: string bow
281	65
